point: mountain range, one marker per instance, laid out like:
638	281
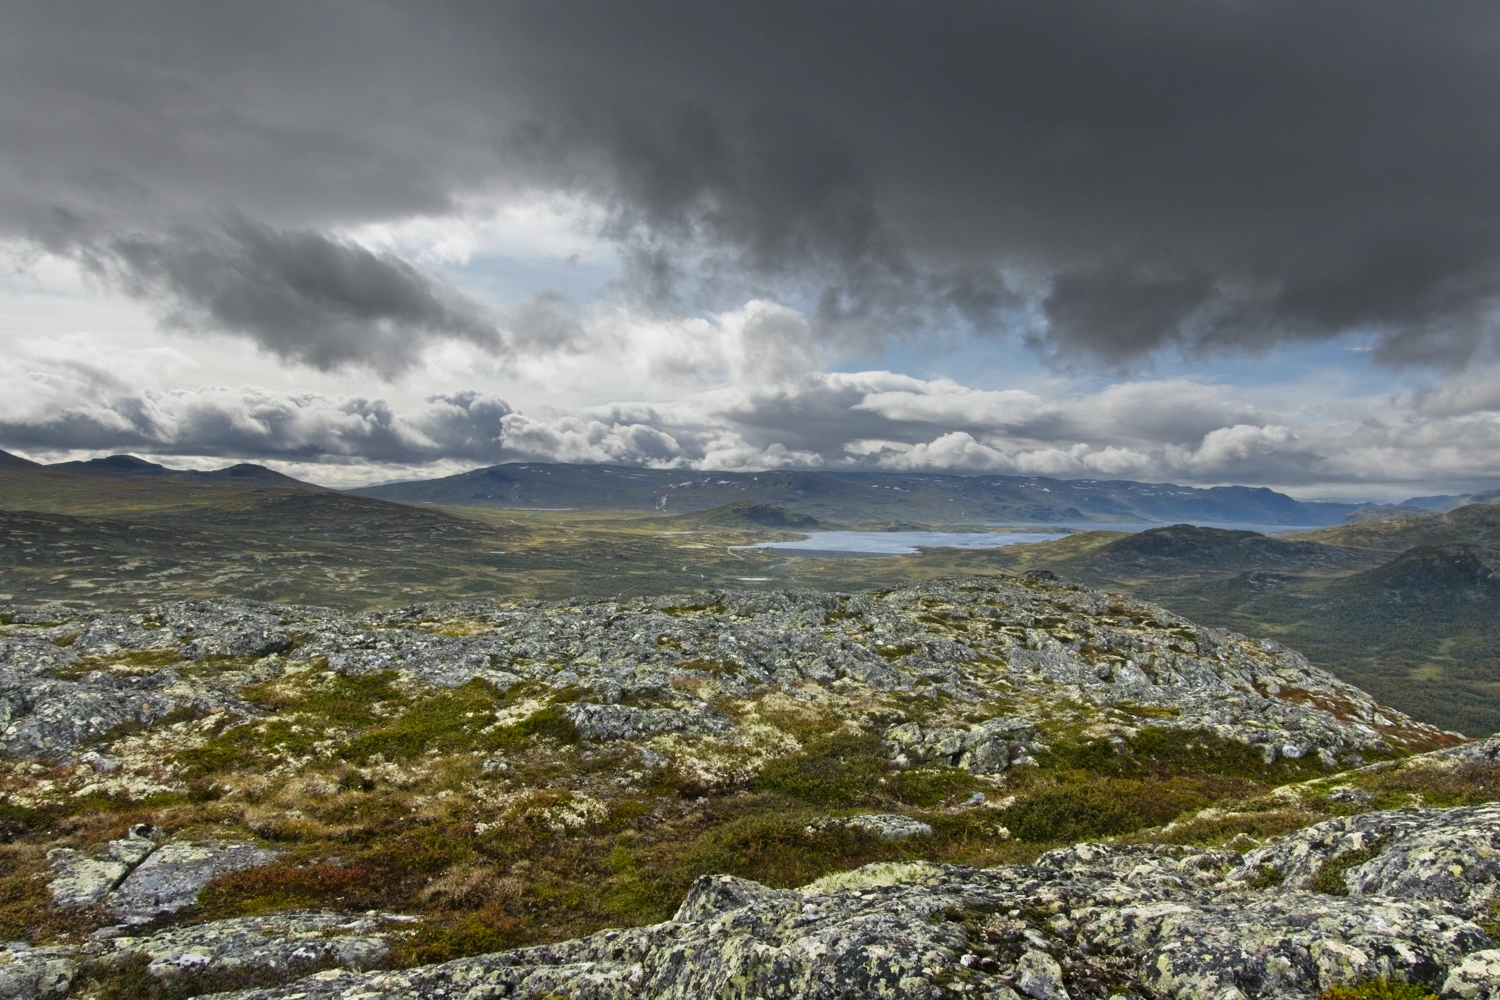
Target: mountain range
864	496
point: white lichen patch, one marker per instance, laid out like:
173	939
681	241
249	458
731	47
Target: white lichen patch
873	876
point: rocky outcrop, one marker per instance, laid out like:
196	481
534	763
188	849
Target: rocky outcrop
567	716
68	678
987	748
1451	855
1084	922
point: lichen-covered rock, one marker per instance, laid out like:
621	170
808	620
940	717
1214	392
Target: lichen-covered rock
604	723
280	942
1039	976
170	878
987	748
881	826
28	973
1160	921
81	880
625	664
1443	854
1477	977
711	895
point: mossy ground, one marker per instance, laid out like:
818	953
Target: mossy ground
485	813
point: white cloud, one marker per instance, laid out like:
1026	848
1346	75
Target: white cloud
741	390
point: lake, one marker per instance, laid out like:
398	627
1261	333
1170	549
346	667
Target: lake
904	543
908	543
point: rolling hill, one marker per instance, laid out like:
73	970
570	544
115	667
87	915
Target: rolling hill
1408	609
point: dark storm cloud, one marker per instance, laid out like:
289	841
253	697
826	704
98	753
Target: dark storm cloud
1120	178
255	423
300	295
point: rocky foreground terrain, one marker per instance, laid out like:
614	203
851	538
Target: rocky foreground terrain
993	787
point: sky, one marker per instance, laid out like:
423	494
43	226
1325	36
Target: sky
1198	241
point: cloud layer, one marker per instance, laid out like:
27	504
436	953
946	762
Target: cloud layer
1175	430
1107	181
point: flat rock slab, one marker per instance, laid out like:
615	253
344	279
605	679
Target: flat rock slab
170	878
280	942
82	880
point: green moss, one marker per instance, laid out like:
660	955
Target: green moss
551	722
1330	877
1268	877
677	611
1378	989
1161	751
840	769
447	722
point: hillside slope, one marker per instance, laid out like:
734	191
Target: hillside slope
1408	609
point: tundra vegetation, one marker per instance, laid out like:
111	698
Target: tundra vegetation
523	773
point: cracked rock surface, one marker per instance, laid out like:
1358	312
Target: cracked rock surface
1167	922
137	882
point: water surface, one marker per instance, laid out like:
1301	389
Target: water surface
905	543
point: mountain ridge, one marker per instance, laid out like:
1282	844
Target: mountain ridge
935	497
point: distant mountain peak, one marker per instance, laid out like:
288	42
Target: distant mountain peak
16	461
126	464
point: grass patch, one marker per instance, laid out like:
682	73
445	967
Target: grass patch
1161	751
1465	785
131	659
851	769
447	722
307	709
678	611
1075	810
